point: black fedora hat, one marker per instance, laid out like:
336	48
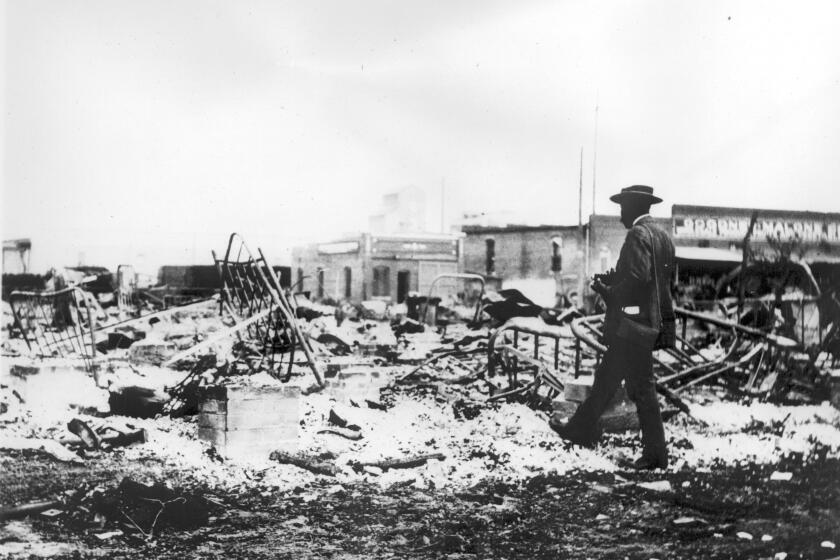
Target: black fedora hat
640	191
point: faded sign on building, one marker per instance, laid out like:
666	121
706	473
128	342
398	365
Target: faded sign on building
731	224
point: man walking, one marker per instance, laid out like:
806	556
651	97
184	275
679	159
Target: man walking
639	318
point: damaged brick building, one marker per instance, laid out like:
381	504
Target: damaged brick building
368	266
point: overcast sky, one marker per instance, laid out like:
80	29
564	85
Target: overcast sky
143	132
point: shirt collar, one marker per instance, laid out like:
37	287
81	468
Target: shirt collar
637	220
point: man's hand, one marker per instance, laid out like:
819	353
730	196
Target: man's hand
600	288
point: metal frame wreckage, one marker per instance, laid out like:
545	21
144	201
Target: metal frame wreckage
761	360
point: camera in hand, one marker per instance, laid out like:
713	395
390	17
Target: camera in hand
606	278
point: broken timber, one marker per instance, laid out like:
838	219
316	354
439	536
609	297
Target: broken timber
402	463
312	465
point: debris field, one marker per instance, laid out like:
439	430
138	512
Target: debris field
258	422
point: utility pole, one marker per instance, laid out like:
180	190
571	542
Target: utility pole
580	193
595	155
442	203
583	253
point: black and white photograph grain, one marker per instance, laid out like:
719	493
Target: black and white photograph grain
420	279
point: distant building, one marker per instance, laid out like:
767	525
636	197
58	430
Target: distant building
708	242
368	266
16	256
543	261
705	235
403	211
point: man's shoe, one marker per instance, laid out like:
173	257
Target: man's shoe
571	436
647	464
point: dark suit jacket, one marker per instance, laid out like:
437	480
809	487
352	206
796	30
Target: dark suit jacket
634	284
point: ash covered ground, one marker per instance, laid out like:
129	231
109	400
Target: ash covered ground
747	479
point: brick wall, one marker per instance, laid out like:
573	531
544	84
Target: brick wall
521	252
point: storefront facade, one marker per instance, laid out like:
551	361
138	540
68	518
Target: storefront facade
382	267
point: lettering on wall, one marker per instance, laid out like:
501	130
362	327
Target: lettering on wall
338	248
736	228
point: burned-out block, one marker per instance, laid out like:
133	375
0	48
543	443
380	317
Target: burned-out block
249	422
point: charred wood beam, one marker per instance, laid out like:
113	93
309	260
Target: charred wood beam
310	464
31	508
776	340
401	463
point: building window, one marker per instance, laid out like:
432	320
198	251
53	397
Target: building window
556	256
299	283
348	282
320	282
490	256
381	281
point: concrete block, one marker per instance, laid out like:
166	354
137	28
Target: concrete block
249	422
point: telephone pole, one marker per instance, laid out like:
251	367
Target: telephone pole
583	254
594	155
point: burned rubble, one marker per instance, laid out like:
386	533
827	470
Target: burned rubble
186	414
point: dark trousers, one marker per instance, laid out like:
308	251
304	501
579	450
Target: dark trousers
634	364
